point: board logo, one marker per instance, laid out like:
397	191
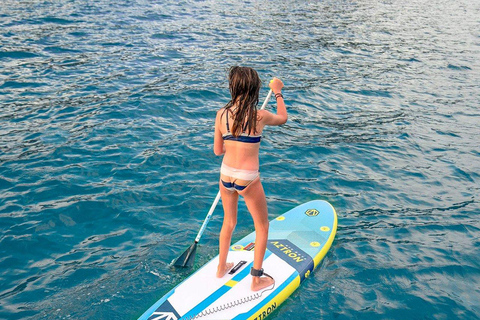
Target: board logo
165	312
263	314
289	251
163	316
291	254
312	212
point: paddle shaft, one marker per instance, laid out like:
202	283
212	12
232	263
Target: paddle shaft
208	217
217	198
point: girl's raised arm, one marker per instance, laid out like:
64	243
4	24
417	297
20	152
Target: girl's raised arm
281	117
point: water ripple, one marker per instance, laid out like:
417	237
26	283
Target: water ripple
107	169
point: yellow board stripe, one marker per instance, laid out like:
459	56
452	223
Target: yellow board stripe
231	283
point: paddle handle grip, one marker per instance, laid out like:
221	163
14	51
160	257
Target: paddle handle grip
208	217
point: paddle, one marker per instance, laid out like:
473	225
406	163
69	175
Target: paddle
188	257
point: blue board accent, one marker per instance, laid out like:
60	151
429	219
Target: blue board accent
146	315
166	309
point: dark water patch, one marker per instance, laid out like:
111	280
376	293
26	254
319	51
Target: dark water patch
57	20
18	54
456	67
370	93
19	84
55	49
21	287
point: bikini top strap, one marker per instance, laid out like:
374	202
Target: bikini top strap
228	127
245	127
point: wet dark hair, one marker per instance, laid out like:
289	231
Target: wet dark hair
244	84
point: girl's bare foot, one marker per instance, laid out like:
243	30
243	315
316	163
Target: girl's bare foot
223	271
259	283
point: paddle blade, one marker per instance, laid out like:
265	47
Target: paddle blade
187	258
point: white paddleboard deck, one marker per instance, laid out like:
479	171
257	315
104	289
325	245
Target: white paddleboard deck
298	241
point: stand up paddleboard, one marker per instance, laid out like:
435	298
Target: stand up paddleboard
297	242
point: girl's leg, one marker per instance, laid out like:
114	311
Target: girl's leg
256	202
230	208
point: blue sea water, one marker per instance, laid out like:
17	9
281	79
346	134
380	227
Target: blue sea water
107	168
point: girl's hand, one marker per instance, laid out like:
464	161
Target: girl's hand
276	85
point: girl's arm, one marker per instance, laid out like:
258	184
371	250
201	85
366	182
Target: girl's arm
281	117
218	145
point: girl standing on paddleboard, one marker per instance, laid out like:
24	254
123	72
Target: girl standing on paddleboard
238	131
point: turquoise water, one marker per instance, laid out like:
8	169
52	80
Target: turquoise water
107	168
